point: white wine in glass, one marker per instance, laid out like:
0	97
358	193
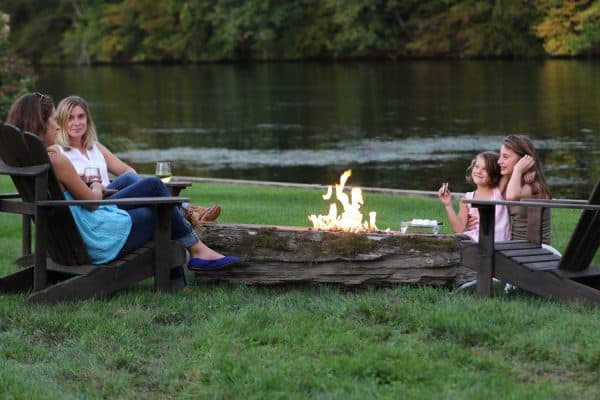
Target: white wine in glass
163	171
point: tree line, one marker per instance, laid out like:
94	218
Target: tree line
16	74
189	31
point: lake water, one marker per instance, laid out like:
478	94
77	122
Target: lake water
409	125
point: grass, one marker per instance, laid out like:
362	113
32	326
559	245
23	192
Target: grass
297	342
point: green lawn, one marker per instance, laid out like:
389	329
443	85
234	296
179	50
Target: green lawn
232	341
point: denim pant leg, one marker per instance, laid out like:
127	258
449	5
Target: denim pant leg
124	180
154	187
142	228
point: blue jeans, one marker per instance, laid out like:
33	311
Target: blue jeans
129	178
142	218
124	180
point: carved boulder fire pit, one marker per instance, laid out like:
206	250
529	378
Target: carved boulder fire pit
275	255
340	248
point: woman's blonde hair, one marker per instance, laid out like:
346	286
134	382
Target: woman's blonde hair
63	111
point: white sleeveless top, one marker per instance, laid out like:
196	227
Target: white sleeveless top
94	159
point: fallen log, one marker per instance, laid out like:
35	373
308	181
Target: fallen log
276	255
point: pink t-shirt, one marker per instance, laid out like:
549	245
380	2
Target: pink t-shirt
502	231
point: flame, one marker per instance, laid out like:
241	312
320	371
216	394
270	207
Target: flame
351	219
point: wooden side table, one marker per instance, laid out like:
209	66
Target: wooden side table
177	186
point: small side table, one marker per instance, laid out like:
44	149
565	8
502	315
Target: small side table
177	186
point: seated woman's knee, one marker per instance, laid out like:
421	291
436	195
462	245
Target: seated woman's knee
129	178
156	186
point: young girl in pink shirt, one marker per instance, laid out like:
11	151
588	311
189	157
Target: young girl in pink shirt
485	173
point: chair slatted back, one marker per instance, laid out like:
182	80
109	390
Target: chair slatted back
14	153
585	240
18	149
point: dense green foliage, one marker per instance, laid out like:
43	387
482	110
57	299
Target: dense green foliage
16	75
296	342
89	31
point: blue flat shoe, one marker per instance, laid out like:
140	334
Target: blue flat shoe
199	264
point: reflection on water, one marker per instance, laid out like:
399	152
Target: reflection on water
436	151
405	125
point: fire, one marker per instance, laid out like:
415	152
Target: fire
351	218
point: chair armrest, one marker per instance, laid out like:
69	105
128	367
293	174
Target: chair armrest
144	201
10	196
23	171
576	204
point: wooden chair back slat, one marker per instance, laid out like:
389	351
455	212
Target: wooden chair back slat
13	152
17	149
585	240
534	224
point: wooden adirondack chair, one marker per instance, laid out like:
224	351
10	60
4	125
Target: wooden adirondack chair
527	265
62	270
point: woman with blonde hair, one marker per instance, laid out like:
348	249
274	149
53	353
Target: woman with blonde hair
78	139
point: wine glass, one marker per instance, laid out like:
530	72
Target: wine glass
403	226
91	175
163	171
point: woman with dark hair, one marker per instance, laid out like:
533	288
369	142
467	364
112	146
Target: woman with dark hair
108	231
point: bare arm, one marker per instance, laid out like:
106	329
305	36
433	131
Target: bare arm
458	221
113	163
67	175
517	188
503	183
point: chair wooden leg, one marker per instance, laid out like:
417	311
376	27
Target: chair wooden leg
485	272
570	290
100	282
163	255
548	283
17	282
26	230
40	276
25	261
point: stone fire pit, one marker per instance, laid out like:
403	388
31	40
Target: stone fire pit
276	255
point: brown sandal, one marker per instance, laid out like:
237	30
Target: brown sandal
199	215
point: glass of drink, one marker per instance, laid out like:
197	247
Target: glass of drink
403	226
163	171
91	175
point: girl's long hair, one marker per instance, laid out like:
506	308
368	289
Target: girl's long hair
522	145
